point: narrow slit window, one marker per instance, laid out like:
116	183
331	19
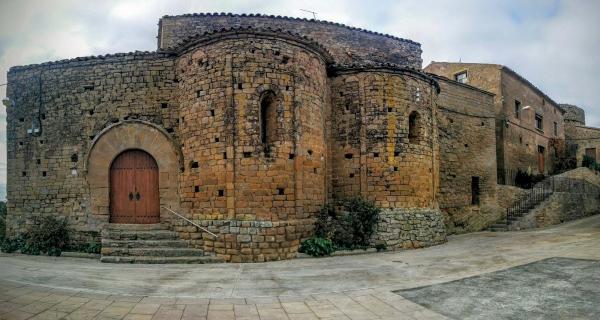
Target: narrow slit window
475	191
413	127
268	117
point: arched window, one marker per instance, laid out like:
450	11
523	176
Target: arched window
414	127
268	117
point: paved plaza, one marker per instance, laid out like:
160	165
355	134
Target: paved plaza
415	284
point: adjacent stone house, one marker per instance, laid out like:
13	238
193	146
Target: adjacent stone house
581	139
529	124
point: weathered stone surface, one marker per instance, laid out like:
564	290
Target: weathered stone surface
410	228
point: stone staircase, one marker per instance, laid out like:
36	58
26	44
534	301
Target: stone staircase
148	243
535	196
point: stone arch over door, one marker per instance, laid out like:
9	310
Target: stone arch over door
127	135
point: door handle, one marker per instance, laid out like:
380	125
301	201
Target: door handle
130	196
137	196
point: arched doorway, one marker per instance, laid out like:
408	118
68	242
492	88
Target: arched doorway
134	196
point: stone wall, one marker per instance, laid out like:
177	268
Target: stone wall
70	103
201	110
234	179
520	137
566	205
410	228
582	140
509	195
372	152
517	138
347	44
468	161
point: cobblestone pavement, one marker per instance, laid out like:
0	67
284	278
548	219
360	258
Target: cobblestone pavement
353	287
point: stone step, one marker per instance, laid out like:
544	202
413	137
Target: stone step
139	235
111	243
152	252
159	260
137	227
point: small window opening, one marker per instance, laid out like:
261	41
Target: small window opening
239	86
352	175
287	88
555	129
466	145
43	116
43	173
395	168
212	113
224	155
217	139
170	130
21	119
517	108
164	105
413	127
74	157
41	141
24	173
88	87
280	191
38	161
539	123
389	109
285	59
475	192
461	77
198	93
314	170
376	154
221	192
91	112
396	153
347	106
247	154
194	164
291	156
276	52
196	188
92	137
268	117
310	152
20	143
348	155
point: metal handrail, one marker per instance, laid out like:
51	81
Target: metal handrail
190	221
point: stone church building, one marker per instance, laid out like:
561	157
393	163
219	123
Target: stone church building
247	125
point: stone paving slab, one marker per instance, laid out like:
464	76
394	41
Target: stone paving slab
356	287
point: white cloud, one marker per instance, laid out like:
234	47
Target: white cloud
552	43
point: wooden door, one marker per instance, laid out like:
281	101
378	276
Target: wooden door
541	159
591	152
134	196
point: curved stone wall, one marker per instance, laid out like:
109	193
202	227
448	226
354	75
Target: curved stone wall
259	197
347	44
574	114
373	153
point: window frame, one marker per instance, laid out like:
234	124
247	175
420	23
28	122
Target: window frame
458	74
539	119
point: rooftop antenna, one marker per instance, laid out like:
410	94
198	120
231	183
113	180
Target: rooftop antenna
313	13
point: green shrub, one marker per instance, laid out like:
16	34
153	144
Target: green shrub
349	223
527	180
10	245
381	247
317	247
92	247
590	162
47	235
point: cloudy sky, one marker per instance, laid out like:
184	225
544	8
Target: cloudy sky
554	44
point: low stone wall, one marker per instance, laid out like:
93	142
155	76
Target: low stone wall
410	228
558	208
509	195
